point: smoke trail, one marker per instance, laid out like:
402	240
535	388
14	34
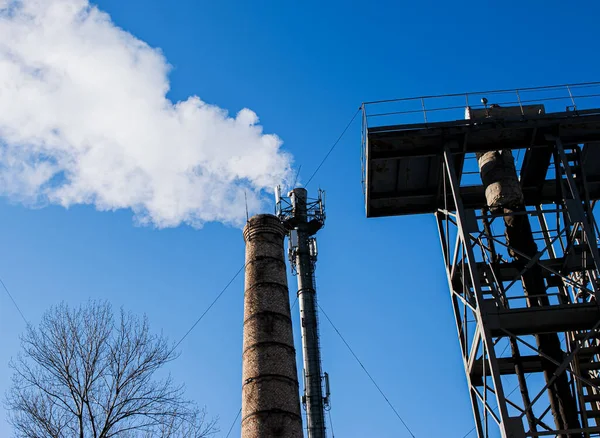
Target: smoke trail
84	119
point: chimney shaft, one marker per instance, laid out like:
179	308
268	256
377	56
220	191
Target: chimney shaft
270	401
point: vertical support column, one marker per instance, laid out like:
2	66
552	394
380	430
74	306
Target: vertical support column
503	194
315	413
509	427
270	401
514	347
578	213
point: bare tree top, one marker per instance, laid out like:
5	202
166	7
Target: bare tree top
85	373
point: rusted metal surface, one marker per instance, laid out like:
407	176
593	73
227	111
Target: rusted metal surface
270	400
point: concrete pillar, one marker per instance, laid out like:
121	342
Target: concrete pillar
270	400
499	177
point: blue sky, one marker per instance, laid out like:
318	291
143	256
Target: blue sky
304	68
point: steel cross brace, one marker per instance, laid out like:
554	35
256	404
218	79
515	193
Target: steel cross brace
480	314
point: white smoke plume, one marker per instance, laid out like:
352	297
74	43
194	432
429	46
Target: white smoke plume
84	119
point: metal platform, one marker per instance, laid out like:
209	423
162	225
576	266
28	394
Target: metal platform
403	162
524	276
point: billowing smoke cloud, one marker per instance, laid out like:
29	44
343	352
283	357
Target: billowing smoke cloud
84	119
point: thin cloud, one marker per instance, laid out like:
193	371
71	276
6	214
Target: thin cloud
84	119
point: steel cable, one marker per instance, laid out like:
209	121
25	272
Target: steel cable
332	147
367	373
13	301
234	421
210	306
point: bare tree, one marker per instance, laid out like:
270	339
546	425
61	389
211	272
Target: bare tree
84	373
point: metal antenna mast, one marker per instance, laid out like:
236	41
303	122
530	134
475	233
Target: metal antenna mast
304	218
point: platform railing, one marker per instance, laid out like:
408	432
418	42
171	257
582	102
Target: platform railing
452	107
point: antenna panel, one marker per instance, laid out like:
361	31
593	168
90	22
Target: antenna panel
293	238
313	247
277	194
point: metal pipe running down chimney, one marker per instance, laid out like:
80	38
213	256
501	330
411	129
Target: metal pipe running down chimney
503	194
270	400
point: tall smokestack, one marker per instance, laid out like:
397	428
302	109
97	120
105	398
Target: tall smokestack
270	400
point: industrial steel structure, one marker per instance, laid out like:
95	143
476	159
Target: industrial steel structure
303	218
512	178
270	400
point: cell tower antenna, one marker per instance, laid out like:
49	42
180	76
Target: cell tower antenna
304	218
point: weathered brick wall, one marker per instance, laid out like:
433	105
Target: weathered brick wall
270	400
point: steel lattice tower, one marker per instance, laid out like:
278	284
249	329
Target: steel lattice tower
513	189
304	218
